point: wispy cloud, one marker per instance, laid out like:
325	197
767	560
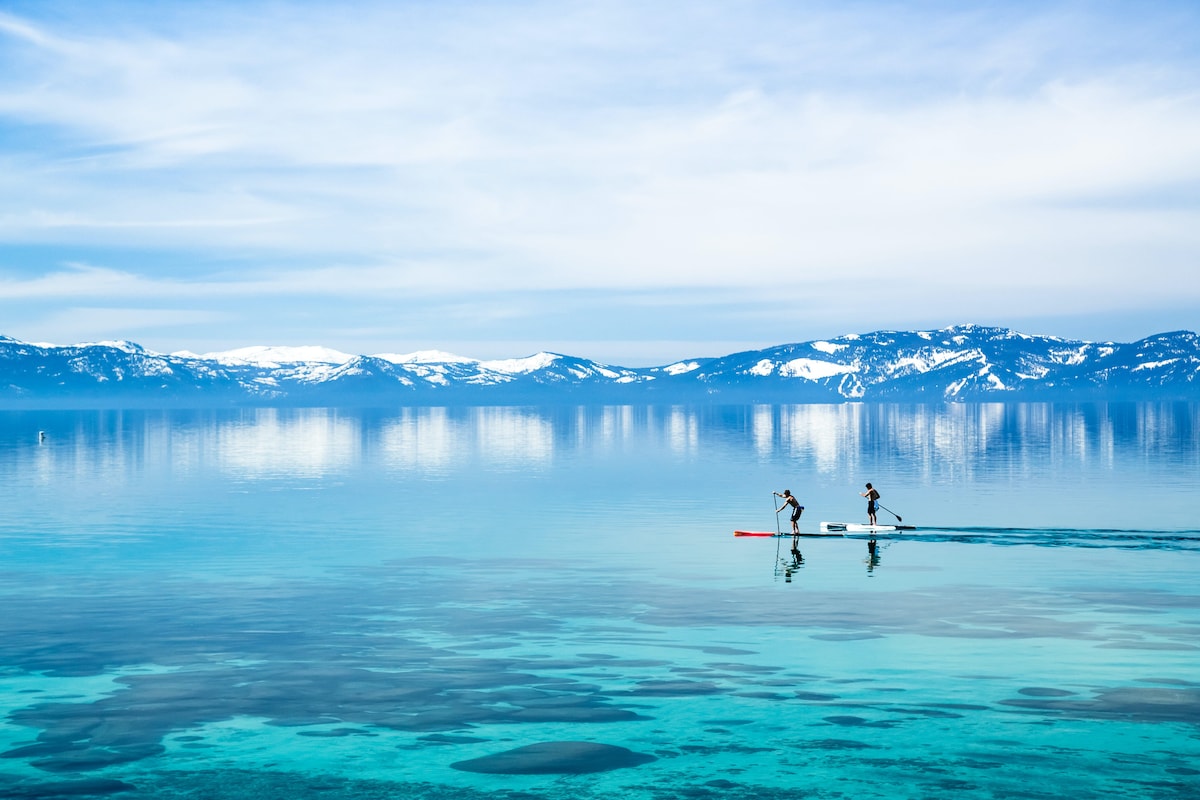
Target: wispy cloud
78	324
778	151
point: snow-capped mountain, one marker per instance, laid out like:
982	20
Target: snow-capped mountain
961	363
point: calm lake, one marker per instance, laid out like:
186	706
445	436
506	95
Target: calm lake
549	603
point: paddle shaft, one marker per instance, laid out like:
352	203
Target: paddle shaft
893	513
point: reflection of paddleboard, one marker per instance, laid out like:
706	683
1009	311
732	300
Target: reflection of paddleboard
854	527
785	535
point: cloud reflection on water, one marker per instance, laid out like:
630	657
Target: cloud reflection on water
923	440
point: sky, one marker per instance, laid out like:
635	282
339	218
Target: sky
633	182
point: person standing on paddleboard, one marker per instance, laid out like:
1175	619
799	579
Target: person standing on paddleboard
872	495
797	509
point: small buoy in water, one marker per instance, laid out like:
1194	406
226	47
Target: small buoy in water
41	436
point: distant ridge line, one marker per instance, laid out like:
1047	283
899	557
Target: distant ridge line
961	363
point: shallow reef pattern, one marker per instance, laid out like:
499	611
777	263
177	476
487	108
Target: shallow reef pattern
531	682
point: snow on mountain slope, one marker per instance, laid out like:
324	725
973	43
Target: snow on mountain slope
270	357
521	366
426	357
960	363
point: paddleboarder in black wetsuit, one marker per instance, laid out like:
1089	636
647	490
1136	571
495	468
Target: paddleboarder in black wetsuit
872	495
797	509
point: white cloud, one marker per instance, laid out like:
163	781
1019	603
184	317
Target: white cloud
88	324
761	148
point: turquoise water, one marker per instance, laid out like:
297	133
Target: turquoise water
550	604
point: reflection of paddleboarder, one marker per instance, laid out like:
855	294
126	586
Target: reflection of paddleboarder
872	495
797	509
872	555
796	563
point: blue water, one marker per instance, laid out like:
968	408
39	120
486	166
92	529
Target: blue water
422	602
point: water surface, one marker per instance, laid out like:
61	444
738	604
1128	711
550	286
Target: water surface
549	603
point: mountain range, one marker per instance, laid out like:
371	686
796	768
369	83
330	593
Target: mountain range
963	363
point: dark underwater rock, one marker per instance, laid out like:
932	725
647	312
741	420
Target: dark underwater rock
88	787
555	758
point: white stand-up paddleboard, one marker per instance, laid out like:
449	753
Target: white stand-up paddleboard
854	527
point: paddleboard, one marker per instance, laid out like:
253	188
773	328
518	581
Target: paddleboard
854	527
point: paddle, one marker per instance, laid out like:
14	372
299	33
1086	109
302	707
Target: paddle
893	513
778	532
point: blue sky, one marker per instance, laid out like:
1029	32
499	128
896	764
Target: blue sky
634	182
